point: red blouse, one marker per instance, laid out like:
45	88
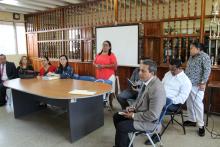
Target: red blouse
105	73
50	69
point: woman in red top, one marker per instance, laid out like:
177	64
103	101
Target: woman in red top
106	64
47	67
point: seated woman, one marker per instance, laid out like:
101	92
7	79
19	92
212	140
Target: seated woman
47	67
25	68
64	70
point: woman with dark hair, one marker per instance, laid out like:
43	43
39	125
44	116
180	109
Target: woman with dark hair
106	64
47	67
64	69
24	67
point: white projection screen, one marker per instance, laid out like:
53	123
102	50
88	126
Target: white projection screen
124	40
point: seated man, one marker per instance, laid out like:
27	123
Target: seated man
146	110
7	72
176	83
131	92
177	86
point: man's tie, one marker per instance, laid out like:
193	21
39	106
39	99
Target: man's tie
1	70
141	91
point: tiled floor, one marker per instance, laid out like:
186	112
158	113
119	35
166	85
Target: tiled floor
46	129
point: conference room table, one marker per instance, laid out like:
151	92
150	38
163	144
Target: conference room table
85	112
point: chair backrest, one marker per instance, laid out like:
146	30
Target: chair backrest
75	76
104	81
164	110
86	78
117	85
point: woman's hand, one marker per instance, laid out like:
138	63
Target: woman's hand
99	66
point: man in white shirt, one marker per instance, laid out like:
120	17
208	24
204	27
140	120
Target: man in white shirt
7	72
176	83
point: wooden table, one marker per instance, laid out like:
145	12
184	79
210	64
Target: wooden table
211	85
86	113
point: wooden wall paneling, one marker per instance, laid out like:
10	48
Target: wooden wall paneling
30	45
188	6
152	9
130	7
124	73
146	15
116	14
125	9
202	19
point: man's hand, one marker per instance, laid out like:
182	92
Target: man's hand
202	86
130	109
134	88
128	115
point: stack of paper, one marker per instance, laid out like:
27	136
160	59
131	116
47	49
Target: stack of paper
82	92
50	77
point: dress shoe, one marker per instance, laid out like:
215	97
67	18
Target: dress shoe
189	123
201	131
154	138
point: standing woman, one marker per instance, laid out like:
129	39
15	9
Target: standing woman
106	64
47	67
24	66
64	69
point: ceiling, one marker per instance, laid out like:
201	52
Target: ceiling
33	6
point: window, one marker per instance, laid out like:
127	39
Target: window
21	39
7	38
12	38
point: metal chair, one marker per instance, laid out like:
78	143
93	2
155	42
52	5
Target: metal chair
106	96
148	133
172	114
86	78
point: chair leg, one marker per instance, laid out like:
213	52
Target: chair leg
151	140
171	118
132	140
161	144
184	130
165	127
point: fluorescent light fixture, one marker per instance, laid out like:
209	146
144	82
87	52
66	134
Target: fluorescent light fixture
10	2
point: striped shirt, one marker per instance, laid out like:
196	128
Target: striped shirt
198	68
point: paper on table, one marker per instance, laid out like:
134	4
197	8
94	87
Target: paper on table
50	78
82	92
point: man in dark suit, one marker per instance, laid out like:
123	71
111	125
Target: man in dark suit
7	72
146	110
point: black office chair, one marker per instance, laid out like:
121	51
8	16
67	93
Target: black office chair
172	114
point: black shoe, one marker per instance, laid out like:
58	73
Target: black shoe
154	138
189	123
201	132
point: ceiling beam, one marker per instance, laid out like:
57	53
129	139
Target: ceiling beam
72	1
38	3
53	2
19	4
17	8
13	11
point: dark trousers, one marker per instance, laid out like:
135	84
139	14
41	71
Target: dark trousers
124	96
173	107
2	94
123	126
